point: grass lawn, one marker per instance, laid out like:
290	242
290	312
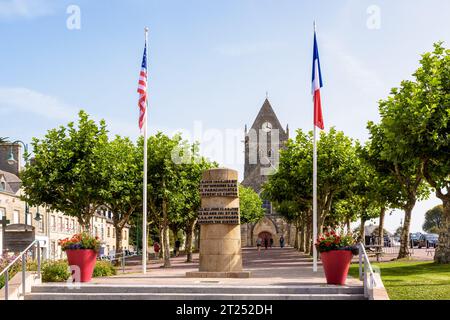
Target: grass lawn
413	280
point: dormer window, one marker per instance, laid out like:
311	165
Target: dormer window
2	185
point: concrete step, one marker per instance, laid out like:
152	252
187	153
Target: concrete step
197	289
189	296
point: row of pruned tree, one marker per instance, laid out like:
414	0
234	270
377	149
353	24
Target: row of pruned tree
406	157
78	169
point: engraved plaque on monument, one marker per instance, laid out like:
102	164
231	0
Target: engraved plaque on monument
220	232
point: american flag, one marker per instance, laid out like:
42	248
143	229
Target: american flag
142	90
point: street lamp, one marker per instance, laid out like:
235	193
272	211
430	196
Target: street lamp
37	217
11	160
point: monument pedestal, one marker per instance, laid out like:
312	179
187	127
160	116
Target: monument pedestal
220	232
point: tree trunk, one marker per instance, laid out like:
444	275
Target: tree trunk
381	227
308	245
118	245
166	242
404	246
118	239
296	242
348	225
302	238
166	235
442	254
197	239
362	231
161	243
189	237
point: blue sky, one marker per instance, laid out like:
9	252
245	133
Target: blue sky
211	63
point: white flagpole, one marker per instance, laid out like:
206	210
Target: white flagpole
314	190
144	204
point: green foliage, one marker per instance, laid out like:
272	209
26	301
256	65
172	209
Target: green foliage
69	173
292	183
5	260
55	271
250	205
433	220
123	193
412	140
104	269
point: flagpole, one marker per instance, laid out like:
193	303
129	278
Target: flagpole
314	189
144	204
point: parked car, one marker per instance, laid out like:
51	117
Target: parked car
414	238
428	240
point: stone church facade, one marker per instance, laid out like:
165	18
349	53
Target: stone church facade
262	153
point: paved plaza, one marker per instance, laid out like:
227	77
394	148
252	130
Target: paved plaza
274	266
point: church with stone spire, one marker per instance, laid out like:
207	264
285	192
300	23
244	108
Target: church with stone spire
263	142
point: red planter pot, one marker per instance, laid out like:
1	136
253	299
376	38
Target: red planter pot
336	264
85	260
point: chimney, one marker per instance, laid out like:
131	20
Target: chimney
5	150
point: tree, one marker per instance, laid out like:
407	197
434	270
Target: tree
68	174
166	159
415	127
337	163
187	203
388	142
124	188
433	219
428	134
385	191
251	205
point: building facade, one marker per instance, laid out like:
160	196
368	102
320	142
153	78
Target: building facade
50	226
263	143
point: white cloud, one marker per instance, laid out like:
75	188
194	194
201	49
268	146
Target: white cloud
10	9
42	105
22	99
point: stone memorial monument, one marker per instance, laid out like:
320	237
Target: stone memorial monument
220	232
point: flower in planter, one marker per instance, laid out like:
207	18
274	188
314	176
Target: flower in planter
82	241
330	241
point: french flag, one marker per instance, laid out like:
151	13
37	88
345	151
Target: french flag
316	85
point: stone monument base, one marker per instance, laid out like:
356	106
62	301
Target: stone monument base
206	274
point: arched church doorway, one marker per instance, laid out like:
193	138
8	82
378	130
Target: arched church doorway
265	229
265	236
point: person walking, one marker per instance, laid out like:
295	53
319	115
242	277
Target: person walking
156	248
258	244
271	243
282	242
266	243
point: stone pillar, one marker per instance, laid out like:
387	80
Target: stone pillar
220	230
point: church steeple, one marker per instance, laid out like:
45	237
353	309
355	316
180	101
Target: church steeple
267	115
257	151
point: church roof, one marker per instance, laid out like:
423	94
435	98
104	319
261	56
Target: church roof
266	113
12	181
